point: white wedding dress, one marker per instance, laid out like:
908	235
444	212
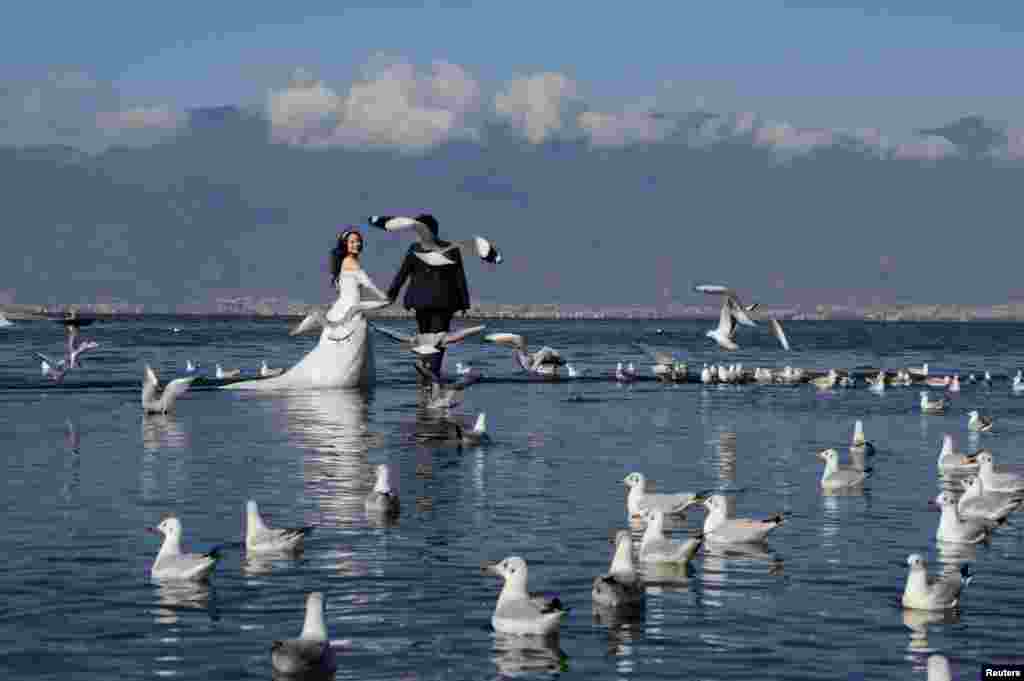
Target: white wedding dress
343	358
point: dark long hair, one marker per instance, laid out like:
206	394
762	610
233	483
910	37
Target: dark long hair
340	252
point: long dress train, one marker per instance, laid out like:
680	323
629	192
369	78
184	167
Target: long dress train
343	358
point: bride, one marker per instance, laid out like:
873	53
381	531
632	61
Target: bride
343	358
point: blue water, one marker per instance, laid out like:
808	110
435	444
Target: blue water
407	600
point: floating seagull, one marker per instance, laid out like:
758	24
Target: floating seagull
623	375
978	423
432	252
384	497
573	372
639	501
827	381
477	434
932	593
191	367
266	371
424	344
227	373
656	548
997	482
952	528
544	361
262	539
979	504
953	461
172	564
779	333
51	369
174	390
720	528
860	444
954	385
519	612
836	476
621	586
4	322
930	406
311	652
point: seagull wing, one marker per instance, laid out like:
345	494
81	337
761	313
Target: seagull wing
394	335
313	320
739	312
176	389
726	321
462	334
512	339
780	334
394	223
714	289
149	384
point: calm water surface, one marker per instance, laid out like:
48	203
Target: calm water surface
407	600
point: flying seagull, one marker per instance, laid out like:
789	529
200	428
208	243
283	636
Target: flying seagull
434	253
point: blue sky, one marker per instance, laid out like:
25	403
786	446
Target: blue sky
532	122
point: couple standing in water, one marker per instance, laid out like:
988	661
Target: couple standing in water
343	358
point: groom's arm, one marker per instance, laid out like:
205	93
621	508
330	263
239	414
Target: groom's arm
399	280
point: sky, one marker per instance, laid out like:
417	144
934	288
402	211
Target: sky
806	150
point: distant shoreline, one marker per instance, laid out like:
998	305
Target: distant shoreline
277	309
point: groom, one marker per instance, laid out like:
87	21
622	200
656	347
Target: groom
436	292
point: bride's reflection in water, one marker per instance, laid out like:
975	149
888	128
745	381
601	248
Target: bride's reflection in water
163	439
529	654
625	627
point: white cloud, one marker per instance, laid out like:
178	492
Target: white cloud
394	106
620	129
139	118
931	148
535	104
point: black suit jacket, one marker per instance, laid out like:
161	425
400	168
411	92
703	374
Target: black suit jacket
440	288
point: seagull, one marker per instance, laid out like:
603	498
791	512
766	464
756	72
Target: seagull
424	344
929	406
639	501
51	369
954	385
519	612
623	375
720	528
477	434
836	476
191	367
262	539
466	370
172	564
656	548
950	460
227	373
978	423
432	252
878	383
621	586
827	381
544	361
731	313
174	390
384	497
310	653
779	333
952	528
932	593
860	444
979	504
997	482
267	372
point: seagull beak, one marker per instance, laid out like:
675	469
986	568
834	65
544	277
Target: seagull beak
821	455
489	568
154	530
934	505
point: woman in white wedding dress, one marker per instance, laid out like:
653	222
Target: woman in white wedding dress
343	358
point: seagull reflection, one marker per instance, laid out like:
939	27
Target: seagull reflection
162	431
918	620
727	460
515	655
258	565
625	625
727	568
174	598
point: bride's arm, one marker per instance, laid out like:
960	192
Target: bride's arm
366	282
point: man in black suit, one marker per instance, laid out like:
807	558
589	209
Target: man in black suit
436	292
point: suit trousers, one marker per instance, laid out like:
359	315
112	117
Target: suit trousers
432	320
